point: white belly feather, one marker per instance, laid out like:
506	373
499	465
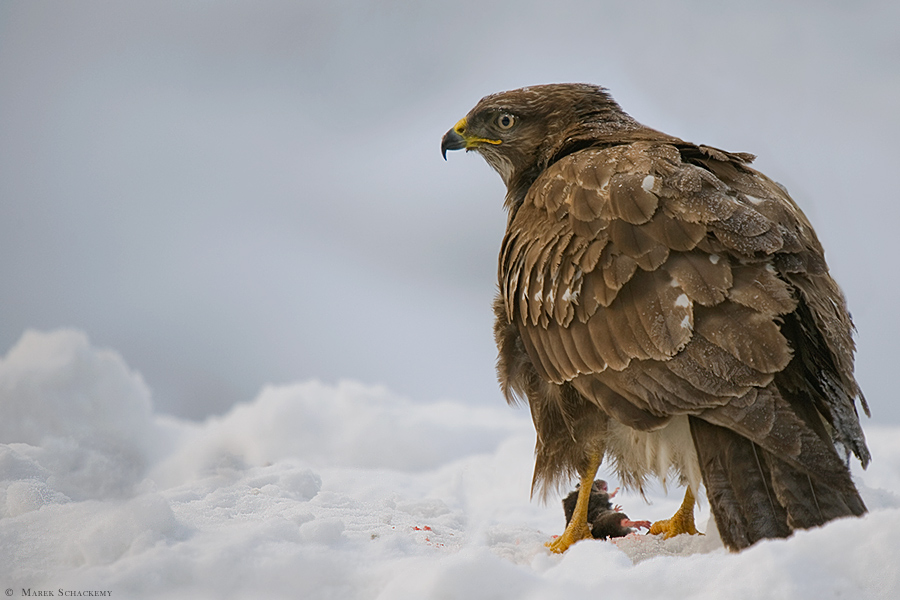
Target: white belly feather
665	454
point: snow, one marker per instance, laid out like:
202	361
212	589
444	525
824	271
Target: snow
349	491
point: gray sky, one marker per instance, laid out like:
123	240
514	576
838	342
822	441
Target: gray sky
233	194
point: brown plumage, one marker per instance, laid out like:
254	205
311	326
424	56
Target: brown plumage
665	306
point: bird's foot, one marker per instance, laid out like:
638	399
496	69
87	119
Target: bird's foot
672	527
681	522
569	537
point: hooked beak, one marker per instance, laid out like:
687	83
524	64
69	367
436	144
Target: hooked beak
457	139
453	140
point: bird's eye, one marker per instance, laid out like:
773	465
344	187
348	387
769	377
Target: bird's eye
505	121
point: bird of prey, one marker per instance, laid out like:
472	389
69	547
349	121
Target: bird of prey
664	306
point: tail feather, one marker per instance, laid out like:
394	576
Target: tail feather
811	502
737	484
754	494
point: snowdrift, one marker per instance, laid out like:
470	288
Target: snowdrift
347	491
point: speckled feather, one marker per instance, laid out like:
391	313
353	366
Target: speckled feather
652	286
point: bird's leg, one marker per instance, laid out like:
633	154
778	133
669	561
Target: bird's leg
681	522
578	528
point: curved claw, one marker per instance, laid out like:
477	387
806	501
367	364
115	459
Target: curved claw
571	535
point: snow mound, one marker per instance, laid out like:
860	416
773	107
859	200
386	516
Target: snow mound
77	422
348	491
348	425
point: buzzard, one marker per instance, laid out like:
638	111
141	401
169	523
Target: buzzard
664	306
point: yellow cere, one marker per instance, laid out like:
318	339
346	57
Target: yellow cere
471	142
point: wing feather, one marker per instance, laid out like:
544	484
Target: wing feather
586	347
705	277
630	198
575	354
751	337
758	287
617	268
625	322
628	257
592	255
653	259
616	355
711	369
658	312
676	234
631	240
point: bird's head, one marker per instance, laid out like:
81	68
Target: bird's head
521	132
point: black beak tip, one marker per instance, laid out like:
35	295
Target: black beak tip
451	141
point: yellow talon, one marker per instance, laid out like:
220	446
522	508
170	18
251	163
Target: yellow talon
569	537
681	522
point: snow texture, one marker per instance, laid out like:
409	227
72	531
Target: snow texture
347	491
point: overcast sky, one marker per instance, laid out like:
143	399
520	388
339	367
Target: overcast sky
233	193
